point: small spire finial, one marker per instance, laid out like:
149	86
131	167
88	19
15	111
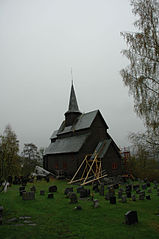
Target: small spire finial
71	76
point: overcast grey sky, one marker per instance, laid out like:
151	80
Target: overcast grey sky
40	41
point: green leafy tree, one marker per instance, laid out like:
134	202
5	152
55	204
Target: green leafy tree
9	158
142	75
30	158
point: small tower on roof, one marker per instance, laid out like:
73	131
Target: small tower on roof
73	110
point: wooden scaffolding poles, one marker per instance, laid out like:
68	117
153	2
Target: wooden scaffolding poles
92	170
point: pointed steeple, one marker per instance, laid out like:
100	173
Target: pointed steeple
73	106
73	110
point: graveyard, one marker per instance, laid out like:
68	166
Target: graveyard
56	209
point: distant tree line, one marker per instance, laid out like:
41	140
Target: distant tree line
12	162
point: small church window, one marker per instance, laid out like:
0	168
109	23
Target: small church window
114	165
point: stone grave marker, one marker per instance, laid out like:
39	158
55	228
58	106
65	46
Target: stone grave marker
67	190
133	197
131	217
79	189
53	189
101	190
73	197
149	190
1	210
95	203
148	197
113	200
123	199
107	196
120	194
128	194
50	195
144	186
28	195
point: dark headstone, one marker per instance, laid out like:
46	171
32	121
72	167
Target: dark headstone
53	189
138	191
84	193
21	188
129	187
133	197
79	189
1	210
101	190
128	194
148	184
50	195
131	217
136	186
21	192
144	186
111	192
148	197
116	186
67	190
123	199
1	220
113	200
28	195
141	197
120	194
73	197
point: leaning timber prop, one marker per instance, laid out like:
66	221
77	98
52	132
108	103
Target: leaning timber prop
92	171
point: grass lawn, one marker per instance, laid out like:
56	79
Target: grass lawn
56	218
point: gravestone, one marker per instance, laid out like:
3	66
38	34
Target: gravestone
129	187
124	199
141	196
21	188
1	210
1	220
148	184
113	200
138	191
133	197
50	195
28	195
131	217
95	203
73	197
116	186
42	192
148	197
136	186
21	192
79	189
84	193
111	192
53	189
67	190
128	194
101	190
120	194
144	186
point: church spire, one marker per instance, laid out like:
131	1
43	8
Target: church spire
73	110
73	106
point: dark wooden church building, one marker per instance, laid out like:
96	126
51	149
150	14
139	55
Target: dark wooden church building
79	135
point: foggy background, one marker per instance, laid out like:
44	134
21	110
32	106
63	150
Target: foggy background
40	41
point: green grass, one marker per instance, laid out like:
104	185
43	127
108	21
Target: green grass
56	218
